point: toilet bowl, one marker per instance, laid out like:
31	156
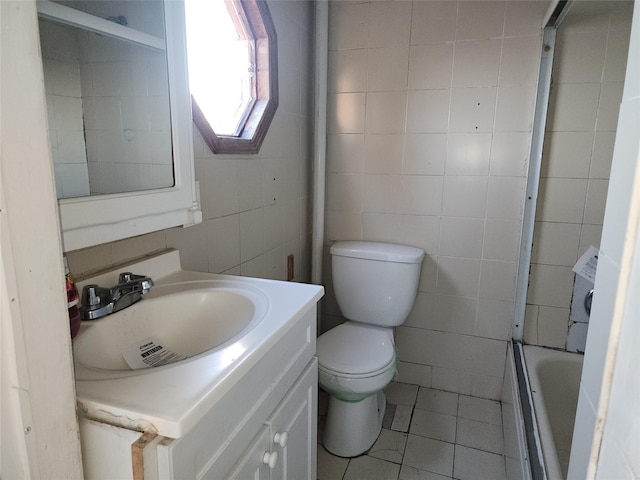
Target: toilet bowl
358	362
375	285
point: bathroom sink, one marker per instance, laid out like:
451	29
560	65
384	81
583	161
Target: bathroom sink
227	328
171	324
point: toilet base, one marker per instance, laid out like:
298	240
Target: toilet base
352	428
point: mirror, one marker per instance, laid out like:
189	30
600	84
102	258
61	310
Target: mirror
108	103
142	132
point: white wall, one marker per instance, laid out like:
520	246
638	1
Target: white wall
430	117
256	208
621	442
587	80
606	438
39	431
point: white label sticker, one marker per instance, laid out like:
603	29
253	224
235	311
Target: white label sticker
150	352
587	265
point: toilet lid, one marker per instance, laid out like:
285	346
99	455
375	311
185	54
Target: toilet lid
355	349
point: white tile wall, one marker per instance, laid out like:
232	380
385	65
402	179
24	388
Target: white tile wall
386	112
347	71
602	155
389	24
472	109
550	285
383	153
455	314
523	18
573	107
387	68
567	154
424	154
461	237
458	276
514	111
510	153
497	280
477	63
427	111
519	60
480	20
433	22
346	112
430	66
468	154
617	51
472	203
579	56
556	243
589	65
494	319
448	175
561	200
501	239
345	153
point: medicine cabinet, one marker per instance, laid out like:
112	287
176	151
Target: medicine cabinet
119	114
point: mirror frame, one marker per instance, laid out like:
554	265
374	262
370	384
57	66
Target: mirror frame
92	220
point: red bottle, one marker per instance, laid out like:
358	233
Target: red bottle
72	301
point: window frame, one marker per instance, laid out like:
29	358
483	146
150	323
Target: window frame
257	19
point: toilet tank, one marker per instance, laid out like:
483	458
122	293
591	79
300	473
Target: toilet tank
375	282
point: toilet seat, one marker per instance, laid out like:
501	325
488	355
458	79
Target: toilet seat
356	350
353	376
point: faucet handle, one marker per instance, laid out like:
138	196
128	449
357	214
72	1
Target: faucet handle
146	285
145	282
94	296
126	277
95	302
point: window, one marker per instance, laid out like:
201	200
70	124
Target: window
231	46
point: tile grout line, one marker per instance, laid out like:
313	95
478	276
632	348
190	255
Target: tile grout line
409	423
453	466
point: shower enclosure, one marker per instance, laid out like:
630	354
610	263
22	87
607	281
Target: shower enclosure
582	75
583	65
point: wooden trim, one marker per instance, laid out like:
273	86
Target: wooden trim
239	19
256	13
137	454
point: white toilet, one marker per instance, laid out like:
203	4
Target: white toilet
375	285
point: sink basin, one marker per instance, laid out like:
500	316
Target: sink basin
186	319
227	328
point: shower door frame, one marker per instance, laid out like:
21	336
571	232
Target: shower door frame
556	13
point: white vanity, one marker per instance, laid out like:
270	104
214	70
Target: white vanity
246	408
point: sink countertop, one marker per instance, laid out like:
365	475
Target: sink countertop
171	400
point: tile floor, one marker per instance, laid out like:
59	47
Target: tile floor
427	435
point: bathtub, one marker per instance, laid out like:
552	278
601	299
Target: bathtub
554	380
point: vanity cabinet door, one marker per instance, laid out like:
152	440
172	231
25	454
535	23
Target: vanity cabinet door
253	464
294	429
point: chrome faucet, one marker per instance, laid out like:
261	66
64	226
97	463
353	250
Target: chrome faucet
98	302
